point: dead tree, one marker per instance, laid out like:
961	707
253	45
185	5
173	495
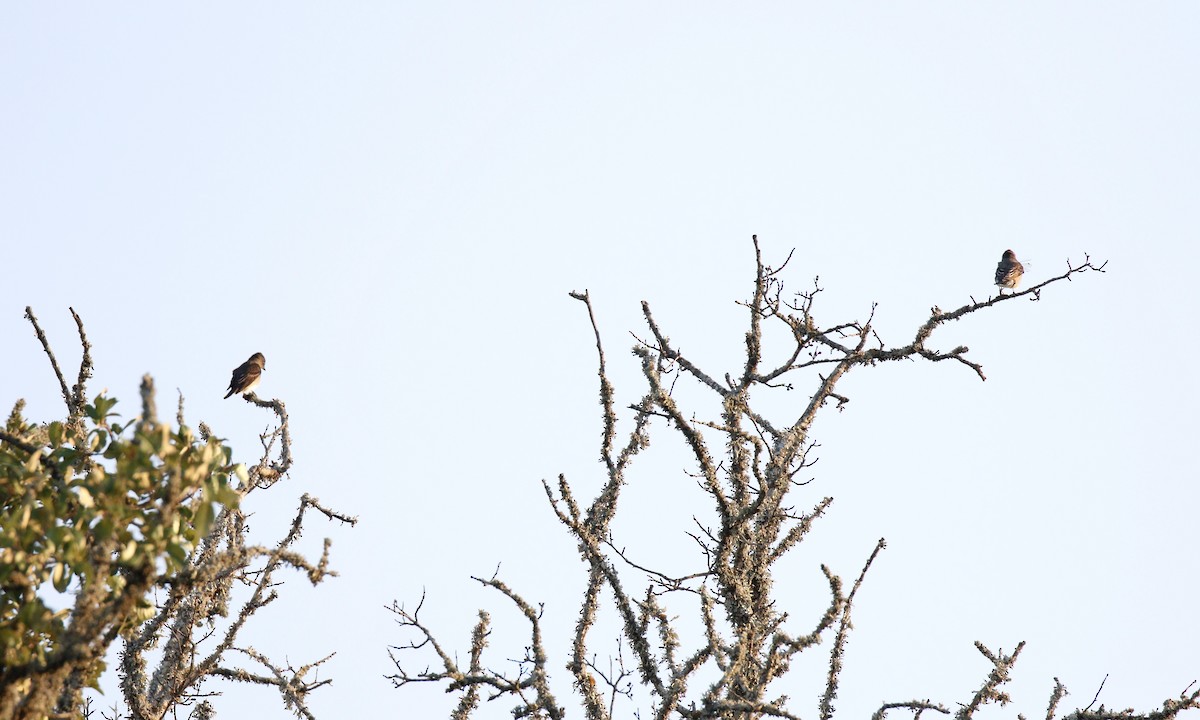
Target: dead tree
747	464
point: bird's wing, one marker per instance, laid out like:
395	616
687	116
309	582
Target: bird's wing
1005	271
245	374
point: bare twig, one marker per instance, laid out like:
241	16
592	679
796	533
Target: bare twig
839	643
41	336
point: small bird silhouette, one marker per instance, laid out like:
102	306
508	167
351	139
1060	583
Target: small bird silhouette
1009	271
247	375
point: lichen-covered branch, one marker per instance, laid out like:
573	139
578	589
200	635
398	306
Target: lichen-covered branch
746	463
224	567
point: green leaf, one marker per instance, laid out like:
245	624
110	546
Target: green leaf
101	406
204	518
59	577
128	551
103	530
177	553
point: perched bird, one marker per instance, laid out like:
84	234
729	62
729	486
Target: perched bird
247	375
1009	271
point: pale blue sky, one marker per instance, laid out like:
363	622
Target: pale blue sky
391	202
